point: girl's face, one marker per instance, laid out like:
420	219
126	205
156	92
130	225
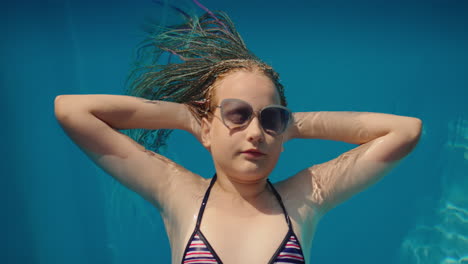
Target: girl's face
226	145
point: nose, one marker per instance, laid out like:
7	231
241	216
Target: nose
255	131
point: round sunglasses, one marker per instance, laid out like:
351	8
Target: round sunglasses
237	113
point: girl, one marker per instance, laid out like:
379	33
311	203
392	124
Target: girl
234	104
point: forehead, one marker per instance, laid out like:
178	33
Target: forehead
252	87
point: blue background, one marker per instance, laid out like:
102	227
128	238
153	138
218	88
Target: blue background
401	57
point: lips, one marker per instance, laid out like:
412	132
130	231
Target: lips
254	152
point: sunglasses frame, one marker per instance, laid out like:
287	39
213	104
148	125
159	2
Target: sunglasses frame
258	114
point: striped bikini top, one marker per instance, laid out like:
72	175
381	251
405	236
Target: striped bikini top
199	250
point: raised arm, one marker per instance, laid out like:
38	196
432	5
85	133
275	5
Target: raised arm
93	121
383	140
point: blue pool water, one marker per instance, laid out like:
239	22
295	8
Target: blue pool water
400	57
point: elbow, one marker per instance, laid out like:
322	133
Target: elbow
62	107
59	100
412	134
58	107
414	129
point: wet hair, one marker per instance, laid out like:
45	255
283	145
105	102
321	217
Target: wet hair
183	63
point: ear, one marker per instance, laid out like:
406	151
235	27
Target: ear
206	133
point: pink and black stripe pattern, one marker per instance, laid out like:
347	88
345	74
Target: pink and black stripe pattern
198	252
291	253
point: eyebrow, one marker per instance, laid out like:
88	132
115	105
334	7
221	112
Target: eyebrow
256	110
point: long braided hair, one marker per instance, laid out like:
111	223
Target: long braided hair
181	64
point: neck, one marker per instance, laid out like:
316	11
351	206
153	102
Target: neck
245	190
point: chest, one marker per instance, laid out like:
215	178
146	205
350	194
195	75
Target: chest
244	238
239	234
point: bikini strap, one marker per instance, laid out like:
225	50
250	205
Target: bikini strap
205	199
207	195
288	220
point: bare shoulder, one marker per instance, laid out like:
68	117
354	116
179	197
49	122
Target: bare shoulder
301	194
184	194
182	187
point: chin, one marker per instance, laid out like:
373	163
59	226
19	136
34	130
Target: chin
247	170
255	174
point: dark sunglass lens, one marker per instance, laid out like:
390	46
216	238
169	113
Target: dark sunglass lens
236	112
275	119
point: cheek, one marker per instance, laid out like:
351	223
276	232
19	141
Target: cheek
221	140
276	149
